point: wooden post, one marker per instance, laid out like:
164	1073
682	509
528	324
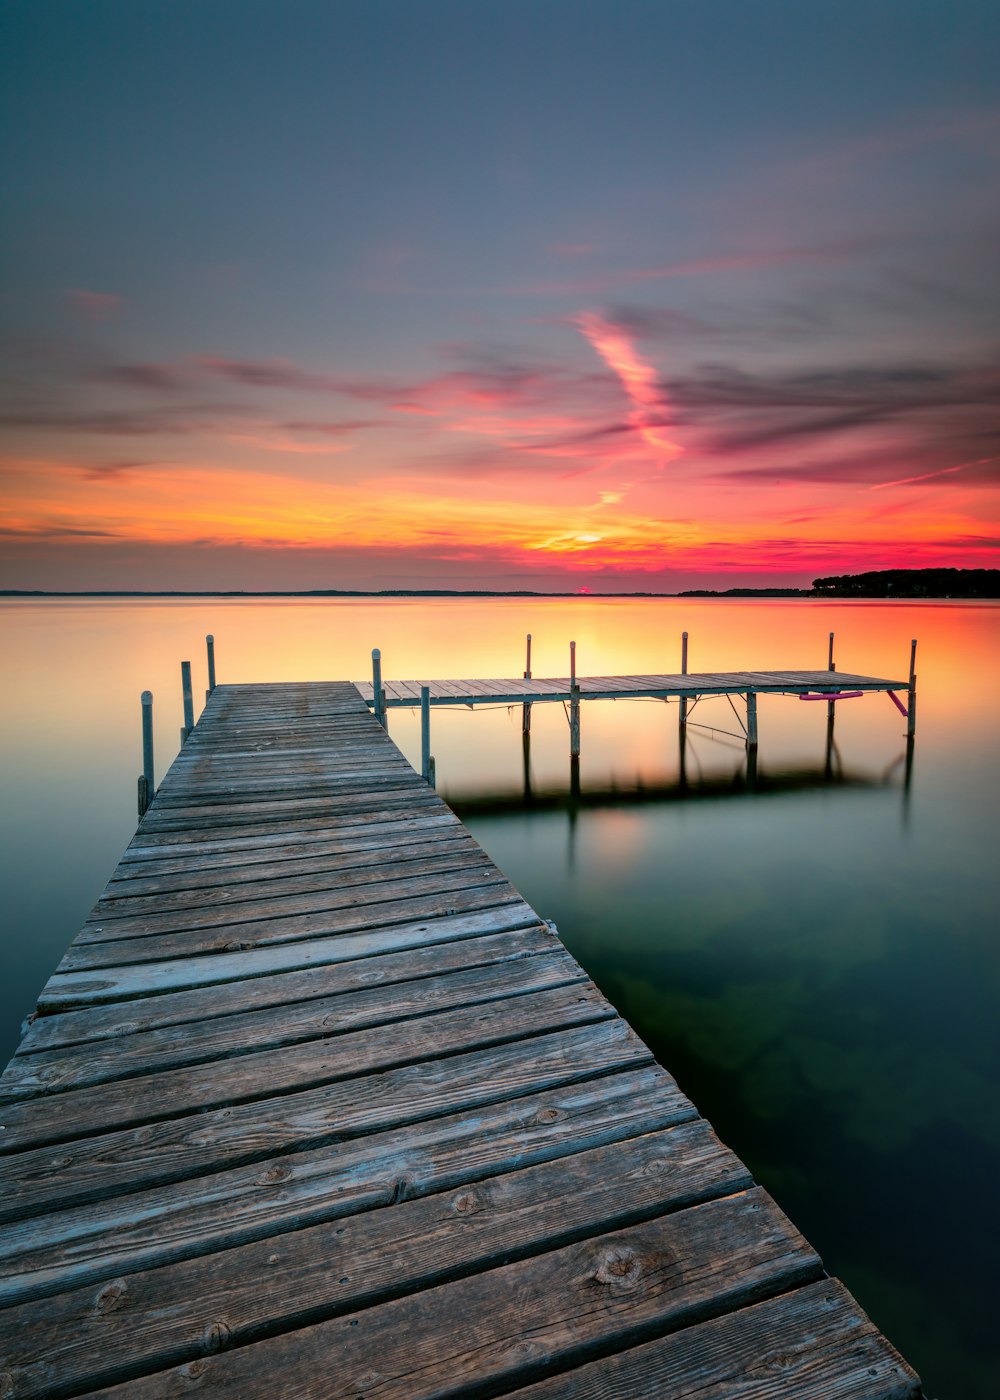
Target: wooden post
147	785
911	699
830	704
432	771
378	694
210	648
751	719
684	671
526	707
574	705
425	733
188	700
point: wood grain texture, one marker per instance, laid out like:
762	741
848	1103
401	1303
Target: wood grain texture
522	1318
426	922
129	1159
539	1121
169	1094
483	939
814	1343
179	1312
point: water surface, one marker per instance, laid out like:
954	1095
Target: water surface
809	949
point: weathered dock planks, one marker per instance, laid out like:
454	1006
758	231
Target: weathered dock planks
653	687
316	1105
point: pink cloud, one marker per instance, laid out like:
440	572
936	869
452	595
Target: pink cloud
638	378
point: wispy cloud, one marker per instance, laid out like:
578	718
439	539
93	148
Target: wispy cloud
650	409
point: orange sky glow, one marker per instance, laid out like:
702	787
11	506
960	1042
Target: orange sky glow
737	328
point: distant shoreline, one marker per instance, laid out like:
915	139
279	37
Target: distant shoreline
729	595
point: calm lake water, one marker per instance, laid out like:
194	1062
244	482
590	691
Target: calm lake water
812	953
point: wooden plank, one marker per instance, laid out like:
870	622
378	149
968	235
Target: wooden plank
811	1344
480	941
127	909
66	990
207	874
221	1037
366	832
170	1093
112	1163
520	1320
255	926
76	1341
111	1235
411	793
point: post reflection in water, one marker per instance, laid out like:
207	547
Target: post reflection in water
749	777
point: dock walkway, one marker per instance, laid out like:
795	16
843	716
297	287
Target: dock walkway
681	686
317	1105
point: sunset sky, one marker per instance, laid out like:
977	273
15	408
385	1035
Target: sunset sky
544	294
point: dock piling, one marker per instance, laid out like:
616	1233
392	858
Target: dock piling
526	707
911	695
751	719
830	706
147	784
210	649
377	690
684	671
188	701
425	733
574	705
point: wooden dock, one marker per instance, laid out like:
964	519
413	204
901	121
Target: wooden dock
317	1106
681	686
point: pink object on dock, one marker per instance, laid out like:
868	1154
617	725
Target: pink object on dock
897	702
836	695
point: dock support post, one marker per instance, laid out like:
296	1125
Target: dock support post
684	671
378	694
210	649
830	705
911	699
425	733
188	701
574	705
432	771
147	788
751	719
526	707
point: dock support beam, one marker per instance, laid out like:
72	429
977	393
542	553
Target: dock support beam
210	649
526	707
425	733
188	701
911	698
574	705
831	707
378	693
147	788
751	719
684	671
